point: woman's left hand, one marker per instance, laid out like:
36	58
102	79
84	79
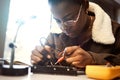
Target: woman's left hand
78	57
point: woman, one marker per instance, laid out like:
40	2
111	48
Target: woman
88	35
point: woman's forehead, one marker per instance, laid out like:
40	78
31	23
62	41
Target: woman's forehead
63	8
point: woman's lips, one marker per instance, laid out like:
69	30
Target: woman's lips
68	33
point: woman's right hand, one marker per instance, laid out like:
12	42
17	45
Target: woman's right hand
37	56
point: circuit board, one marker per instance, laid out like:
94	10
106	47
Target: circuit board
61	70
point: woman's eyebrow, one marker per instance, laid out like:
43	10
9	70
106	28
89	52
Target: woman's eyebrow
67	15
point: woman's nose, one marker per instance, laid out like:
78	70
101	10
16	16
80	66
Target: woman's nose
65	27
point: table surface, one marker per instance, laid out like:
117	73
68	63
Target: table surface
32	76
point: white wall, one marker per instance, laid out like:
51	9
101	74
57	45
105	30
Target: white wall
4	9
30	32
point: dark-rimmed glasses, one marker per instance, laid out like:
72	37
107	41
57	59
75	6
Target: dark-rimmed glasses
72	22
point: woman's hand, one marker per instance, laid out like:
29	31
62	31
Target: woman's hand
78	57
37	56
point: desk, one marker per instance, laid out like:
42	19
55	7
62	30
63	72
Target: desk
44	77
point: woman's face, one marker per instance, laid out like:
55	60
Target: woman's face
64	13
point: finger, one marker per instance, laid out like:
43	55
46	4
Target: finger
49	56
40	48
78	51
47	48
73	59
70	50
33	62
50	52
36	53
59	54
76	61
44	51
78	64
35	59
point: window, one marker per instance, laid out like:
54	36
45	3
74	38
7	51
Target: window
33	18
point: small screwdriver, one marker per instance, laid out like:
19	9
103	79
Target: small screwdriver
61	58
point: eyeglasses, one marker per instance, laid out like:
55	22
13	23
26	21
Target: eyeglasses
72	22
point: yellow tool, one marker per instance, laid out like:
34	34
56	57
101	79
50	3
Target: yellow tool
102	72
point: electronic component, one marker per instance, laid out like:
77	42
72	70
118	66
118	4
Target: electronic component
62	70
